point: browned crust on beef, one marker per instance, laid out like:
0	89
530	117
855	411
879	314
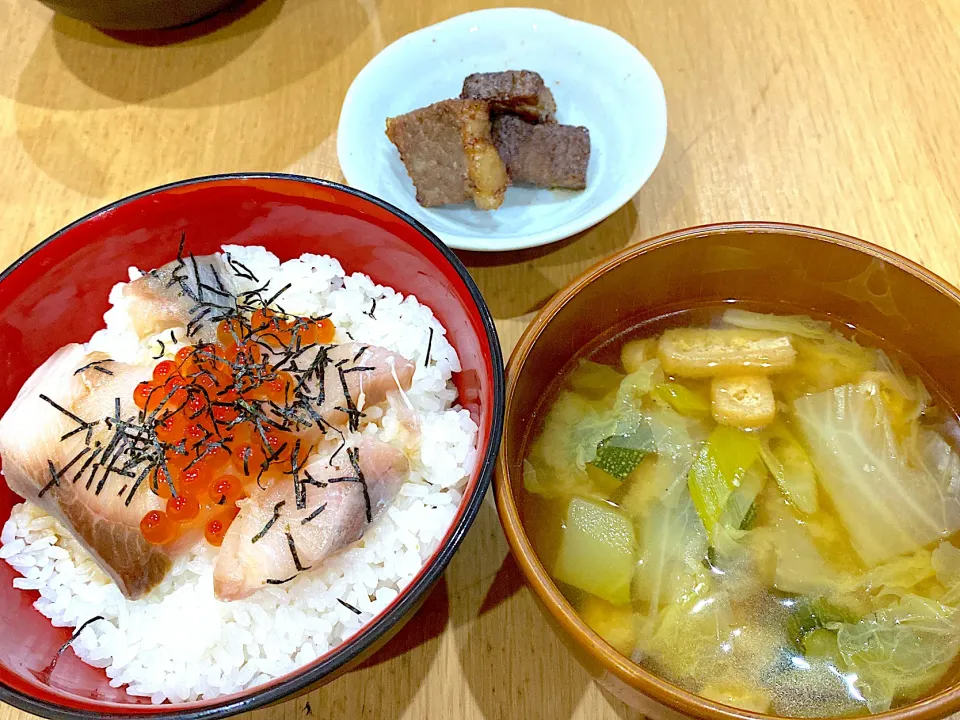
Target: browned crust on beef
449	154
430	147
543	155
517	92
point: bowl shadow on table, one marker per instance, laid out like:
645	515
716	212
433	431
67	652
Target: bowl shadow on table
511	659
241	53
104	117
482	593
382	687
519	282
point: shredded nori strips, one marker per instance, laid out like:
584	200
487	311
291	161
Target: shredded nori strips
54	479
55	474
277	294
351	411
426	360
89	461
66	412
270	522
354	455
271	581
136	485
240	270
314	514
193	327
348	606
68	643
95	365
293	552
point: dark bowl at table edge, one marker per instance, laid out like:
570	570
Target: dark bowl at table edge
138	14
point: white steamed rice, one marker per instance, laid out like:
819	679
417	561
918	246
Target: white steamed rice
180	643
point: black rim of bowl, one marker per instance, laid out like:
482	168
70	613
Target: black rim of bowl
413	592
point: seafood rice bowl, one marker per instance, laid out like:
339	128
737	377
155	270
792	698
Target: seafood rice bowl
240	471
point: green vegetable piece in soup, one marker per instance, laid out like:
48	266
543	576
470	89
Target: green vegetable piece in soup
810	614
822	643
594	380
945	561
597	550
718	470
750	517
682	399
788	462
619	455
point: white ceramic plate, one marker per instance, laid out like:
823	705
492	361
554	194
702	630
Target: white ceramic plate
599	80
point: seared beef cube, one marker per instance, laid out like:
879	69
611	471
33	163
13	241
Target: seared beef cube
516	92
449	154
543	155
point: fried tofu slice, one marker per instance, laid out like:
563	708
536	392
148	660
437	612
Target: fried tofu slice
742	401
698	352
517	92
553	156
449	154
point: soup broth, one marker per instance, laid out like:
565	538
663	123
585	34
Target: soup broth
757	508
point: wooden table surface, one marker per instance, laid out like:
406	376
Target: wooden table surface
837	113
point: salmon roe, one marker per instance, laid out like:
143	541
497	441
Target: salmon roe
215	450
214	531
157	527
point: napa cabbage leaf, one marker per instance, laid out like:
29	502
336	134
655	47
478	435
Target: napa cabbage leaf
888	506
790	465
799	325
900	651
900	576
945	561
673	547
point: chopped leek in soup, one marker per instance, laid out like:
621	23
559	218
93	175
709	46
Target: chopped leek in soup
756	508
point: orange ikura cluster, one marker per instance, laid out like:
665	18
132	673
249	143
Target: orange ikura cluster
204	404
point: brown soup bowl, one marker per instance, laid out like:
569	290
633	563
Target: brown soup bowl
793	268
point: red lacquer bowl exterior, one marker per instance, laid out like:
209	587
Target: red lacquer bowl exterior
57	293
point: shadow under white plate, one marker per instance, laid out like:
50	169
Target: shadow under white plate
599	81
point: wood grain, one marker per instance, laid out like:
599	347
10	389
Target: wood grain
838	113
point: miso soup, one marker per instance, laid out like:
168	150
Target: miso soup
756	508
